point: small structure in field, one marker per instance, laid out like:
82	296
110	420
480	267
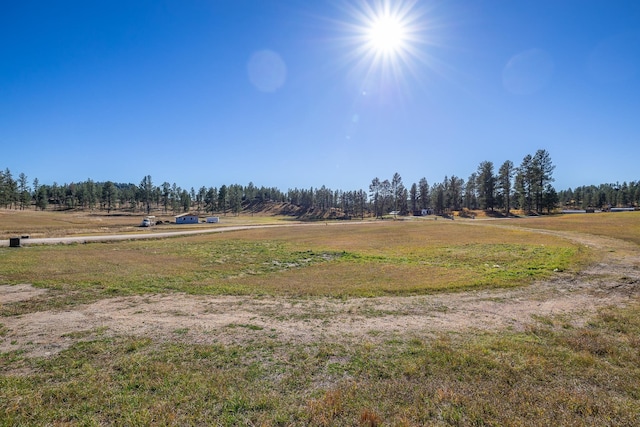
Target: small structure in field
622	209
213	219
422	212
187	218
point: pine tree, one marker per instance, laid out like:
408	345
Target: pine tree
423	193
374	194
543	176
486	185
146	189
413	197
23	190
505	178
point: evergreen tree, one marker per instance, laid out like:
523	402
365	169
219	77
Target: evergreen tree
385	196
505	178
250	192
235	198
525	183
210	199
423	193
361	202
438	198
146	189
109	195
42	197
543	176
202	194
90	193
454	188
550	198
175	198
185	200
23	190
36	187
223	199
8	189
396	187
471	192
413	197
486	185
374	194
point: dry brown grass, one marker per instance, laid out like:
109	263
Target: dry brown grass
57	224
553	372
39	224
621	225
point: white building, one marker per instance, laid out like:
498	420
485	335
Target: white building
187	218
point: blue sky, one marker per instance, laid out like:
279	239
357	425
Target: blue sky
289	93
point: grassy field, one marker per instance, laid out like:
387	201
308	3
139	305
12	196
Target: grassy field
16	223
343	260
541	377
621	225
553	372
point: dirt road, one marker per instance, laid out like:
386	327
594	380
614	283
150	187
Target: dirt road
137	236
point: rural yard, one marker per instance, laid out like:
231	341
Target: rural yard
221	215
43	323
611	282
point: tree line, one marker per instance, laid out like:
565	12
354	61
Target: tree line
603	196
526	187
108	196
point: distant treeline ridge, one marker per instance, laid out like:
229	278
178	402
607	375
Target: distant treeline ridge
526	187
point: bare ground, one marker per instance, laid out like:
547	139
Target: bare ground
613	281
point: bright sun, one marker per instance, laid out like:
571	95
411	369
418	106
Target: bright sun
387	35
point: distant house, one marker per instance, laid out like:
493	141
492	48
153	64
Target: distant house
213	219
422	212
187	218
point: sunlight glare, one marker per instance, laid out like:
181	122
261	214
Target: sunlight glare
387	37
387	34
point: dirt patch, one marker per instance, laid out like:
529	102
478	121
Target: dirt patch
614	280
17	293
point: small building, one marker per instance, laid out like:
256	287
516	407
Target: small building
422	212
187	218
622	209
213	219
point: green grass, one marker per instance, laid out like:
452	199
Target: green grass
342	261
551	373
547	375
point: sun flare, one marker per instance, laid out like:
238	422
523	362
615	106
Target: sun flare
387	34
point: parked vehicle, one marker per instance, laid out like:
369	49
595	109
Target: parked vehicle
148	221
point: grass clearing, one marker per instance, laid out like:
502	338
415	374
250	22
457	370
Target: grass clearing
55	224
555	371
36	224
543	376
621	225
393	258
